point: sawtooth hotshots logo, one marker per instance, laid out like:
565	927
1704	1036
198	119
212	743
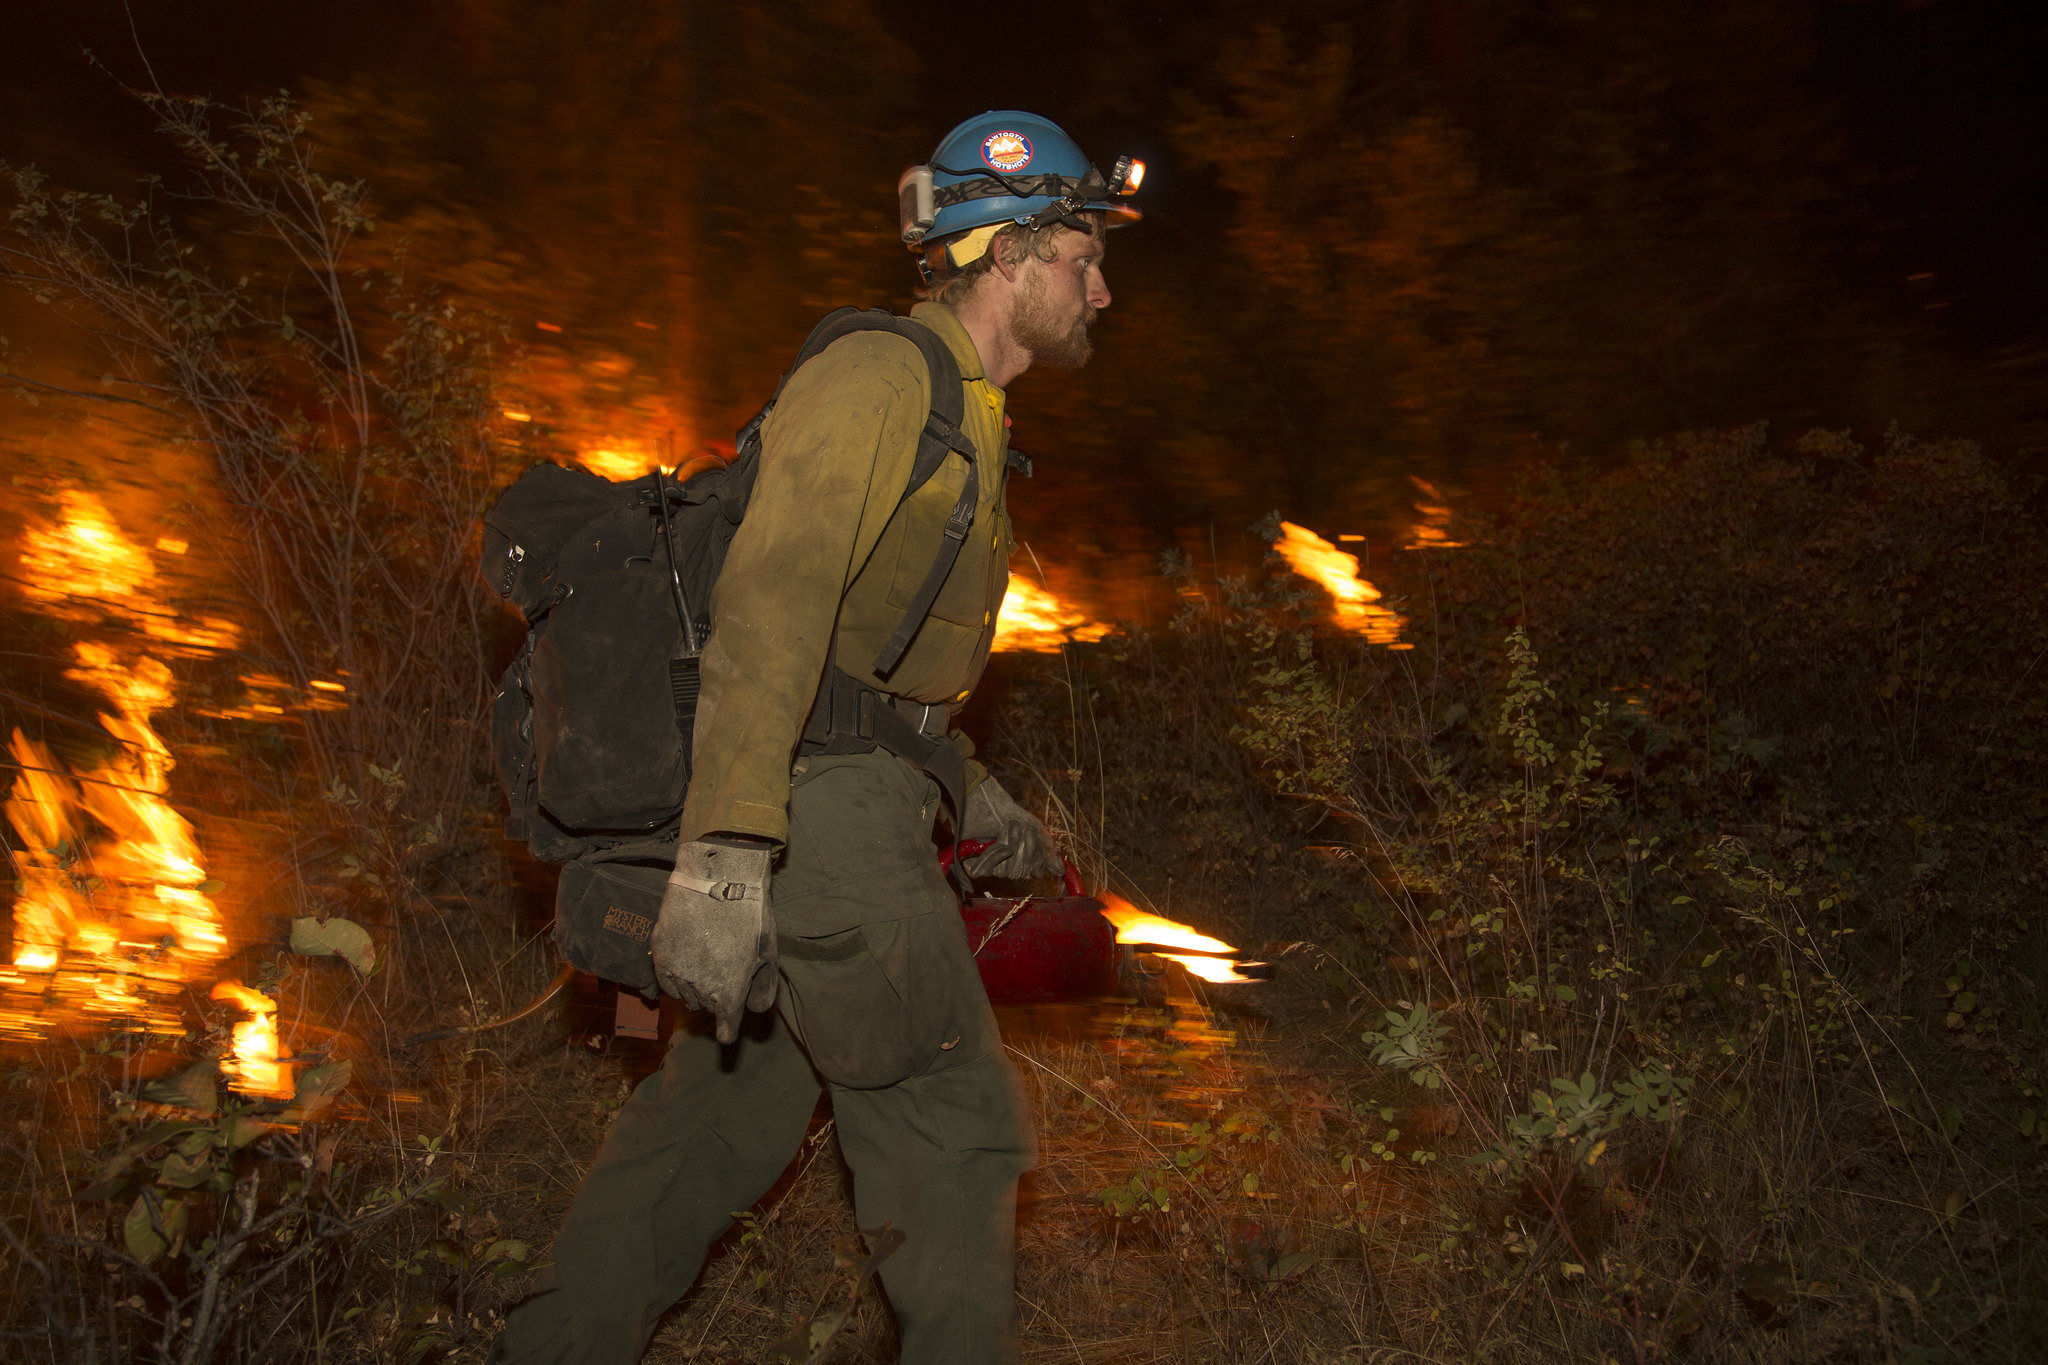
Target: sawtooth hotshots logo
1006	151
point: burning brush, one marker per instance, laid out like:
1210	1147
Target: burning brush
1034	621
1355	602
115	915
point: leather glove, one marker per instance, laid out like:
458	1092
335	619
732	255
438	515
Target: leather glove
1021	847
714	943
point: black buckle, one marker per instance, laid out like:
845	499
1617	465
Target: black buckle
949	436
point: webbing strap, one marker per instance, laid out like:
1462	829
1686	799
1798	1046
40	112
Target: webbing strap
988	187
849	717
958	523
941	436
957	526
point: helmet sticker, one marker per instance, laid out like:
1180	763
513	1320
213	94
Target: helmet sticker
1006	151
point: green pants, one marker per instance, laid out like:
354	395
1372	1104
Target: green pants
881	1005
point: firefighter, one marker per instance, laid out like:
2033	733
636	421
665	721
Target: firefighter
807	915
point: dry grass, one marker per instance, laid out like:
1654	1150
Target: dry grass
1772	1232
1791	1216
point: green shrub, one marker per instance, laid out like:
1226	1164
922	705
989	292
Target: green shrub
1694	855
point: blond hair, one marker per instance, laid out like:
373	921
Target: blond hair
950	284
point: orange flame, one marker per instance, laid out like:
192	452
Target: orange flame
85	569
255	1068
1034	621
1357	606
1433	531
1216	969
618	460
1135	926
111	904
40	809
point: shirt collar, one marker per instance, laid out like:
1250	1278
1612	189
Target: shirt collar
941	320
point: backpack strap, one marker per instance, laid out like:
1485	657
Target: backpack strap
941	437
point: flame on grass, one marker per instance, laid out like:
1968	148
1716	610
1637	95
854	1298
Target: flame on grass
1034	621
1155	932
1355	601
114	914
84	568
256	1067
1433	531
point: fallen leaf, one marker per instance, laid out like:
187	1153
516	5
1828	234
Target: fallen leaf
342	938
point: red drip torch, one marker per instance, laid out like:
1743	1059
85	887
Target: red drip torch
1035	949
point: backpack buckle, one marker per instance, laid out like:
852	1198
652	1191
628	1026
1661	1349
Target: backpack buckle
961	518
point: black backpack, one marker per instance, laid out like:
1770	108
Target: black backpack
591	727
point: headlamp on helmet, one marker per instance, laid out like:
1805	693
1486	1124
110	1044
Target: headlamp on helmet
914	210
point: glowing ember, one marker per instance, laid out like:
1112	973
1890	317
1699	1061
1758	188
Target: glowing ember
255	1068
113	904
1034	621
1433	531
1357	605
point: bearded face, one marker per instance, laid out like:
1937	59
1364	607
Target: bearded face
1051	320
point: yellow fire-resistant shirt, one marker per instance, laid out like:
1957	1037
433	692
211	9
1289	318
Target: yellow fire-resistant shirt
824	546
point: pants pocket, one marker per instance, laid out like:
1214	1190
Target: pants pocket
878	1003
860	847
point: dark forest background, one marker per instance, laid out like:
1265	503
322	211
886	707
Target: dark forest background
1428	237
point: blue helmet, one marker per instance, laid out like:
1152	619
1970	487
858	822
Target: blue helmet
1007	166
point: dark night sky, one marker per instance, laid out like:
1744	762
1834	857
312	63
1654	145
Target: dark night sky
1953	98
1948	99
1935	116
